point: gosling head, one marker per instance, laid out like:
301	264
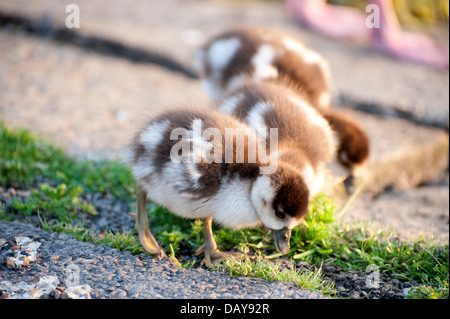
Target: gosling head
281	200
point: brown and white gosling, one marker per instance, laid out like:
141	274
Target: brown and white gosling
234	193
305	140
262	55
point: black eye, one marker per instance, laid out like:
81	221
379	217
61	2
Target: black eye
280	214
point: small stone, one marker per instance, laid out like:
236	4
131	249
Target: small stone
22	240
397	283
303	264
399	295
46	285
4	295
26	261
12	191
119	294
13	263
34	292
23	193
79	292
63	236
5	288
330	268
390	294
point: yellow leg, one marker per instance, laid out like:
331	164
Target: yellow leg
147	239
213	256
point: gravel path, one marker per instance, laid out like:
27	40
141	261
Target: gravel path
67	268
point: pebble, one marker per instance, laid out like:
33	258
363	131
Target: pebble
78	292
56	294
390	294
355	295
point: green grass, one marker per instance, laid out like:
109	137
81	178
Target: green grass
26	161
426	292
122	241
272	271
61	203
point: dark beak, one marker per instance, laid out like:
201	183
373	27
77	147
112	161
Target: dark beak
349	183
281	238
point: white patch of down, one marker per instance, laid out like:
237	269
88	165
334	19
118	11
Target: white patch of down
219	56
143	168
262	196
193	173
213	87
312	116
166	190
256	116
262	62
308	55
311	57
308	176
229	105
222	51
174	174
154	134
232	206
324	100
236	81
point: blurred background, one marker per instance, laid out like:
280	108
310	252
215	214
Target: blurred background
89	89
87	94
410	11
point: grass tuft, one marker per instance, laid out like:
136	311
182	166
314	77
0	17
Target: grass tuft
26	160
272	271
